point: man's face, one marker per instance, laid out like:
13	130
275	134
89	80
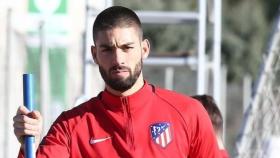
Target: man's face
119	53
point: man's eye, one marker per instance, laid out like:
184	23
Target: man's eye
106	49
127	47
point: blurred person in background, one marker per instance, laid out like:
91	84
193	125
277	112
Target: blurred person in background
216	118
130	118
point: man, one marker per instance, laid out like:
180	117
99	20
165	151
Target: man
212	109
130	118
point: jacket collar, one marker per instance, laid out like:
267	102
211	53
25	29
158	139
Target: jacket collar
133	102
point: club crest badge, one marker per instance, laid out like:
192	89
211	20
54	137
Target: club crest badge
161	133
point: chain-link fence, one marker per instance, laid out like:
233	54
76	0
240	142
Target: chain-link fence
261	124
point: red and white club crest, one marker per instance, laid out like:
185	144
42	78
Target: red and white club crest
161	133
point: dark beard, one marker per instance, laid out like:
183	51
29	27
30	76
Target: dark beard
121	84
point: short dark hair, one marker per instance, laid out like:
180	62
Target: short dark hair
116	16
212	109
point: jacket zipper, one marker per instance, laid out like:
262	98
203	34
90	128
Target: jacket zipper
128	125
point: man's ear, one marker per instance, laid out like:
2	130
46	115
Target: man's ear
145	48
93	53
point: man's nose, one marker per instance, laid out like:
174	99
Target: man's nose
119	57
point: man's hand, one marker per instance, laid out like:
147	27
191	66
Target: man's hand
27	123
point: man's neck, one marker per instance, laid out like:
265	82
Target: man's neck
136	87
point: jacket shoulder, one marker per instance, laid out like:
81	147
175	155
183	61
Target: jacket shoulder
189	108
177	99
73	116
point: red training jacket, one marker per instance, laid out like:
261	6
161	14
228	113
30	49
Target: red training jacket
224	153
151	123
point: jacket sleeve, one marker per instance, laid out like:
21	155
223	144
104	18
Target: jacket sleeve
56	143
203	139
